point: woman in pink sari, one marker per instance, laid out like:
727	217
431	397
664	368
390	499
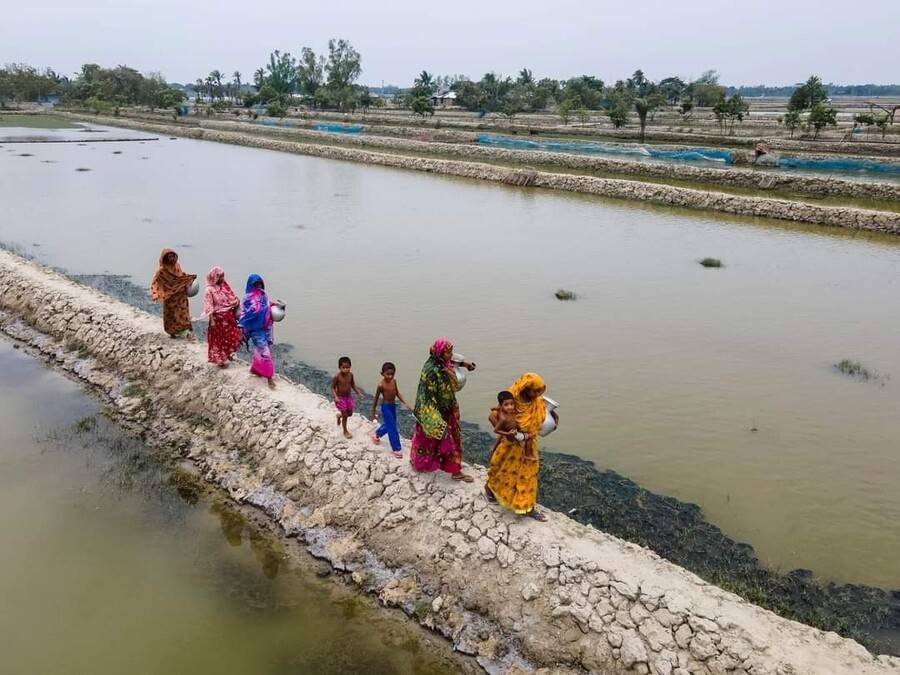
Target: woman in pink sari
220	305
436	441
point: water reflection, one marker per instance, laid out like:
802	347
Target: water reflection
116	564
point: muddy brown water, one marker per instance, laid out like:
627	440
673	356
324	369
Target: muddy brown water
105	569
715	386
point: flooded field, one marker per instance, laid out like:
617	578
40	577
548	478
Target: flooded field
716	386
107	568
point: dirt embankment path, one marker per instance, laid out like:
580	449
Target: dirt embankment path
519	594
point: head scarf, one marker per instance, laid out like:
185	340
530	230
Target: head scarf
436	394
437	350
530	414
169	279
256	314
217	297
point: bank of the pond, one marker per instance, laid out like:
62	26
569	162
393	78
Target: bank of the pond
559	594
839	216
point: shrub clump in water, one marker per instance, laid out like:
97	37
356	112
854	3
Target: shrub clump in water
711	262
563	294
82	168
855	369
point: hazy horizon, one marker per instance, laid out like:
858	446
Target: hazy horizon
748	44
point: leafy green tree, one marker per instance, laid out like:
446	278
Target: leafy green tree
686	109
882	121
808	95
673	88
705	91
730	110
514	101
421	105
644	105
792	121
310	73
618	113
281	75
565	111
586	91
821	116
276	109
344	64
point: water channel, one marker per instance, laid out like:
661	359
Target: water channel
106	569
715	386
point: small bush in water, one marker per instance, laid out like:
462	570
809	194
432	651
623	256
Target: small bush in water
711	262
563	294
855	369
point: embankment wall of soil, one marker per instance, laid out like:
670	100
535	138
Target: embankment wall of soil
782	209
519	594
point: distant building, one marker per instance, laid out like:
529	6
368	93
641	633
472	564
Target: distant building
444	99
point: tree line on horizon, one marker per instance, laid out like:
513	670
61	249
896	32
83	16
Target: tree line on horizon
329	82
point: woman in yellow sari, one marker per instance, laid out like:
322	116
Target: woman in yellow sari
513	471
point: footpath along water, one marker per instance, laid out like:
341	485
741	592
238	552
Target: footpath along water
107	568
711	385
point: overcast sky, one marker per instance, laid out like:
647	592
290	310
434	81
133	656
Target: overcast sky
747	41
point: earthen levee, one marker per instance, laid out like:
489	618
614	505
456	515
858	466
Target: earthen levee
518	593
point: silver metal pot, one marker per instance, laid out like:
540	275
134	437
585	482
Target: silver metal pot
549	425
193	289
277	311
461	372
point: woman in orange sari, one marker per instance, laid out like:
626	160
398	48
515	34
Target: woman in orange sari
170	286
513	471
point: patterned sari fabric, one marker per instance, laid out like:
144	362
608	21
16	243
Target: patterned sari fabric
169	286
436	442
512	477
224	336
256	323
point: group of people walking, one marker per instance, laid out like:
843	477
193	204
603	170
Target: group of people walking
436	442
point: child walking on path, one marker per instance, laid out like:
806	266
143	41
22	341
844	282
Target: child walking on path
342	388
390	393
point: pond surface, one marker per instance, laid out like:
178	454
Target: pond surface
715	386
104	569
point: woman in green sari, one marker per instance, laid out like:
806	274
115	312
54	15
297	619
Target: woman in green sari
436	442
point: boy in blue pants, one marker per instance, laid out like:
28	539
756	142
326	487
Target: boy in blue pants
387	391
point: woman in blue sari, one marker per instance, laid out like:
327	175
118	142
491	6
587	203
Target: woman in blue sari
256	322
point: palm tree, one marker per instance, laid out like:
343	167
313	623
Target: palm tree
216	77
425	79
198	88
259	77
237	84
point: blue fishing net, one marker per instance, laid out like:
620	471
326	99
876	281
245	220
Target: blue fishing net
839	164
592	148
340	128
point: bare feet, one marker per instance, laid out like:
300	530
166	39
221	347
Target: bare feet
397	454
271	383
375	439
338	419
537	515
465	478
490	495
347	434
